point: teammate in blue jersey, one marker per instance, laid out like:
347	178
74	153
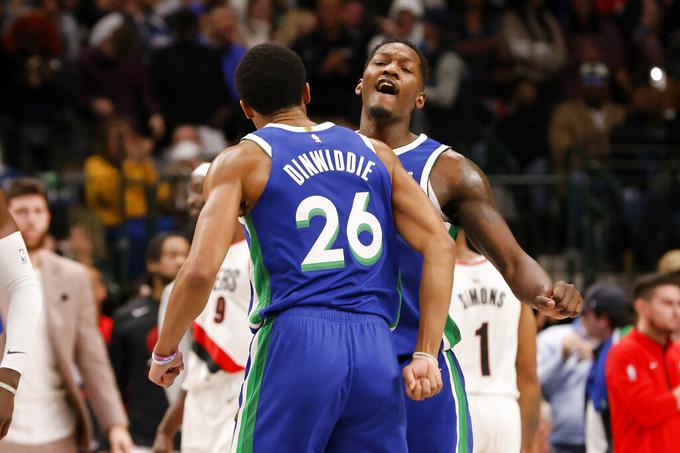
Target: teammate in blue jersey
391	88
322	205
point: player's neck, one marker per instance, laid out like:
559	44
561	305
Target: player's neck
393	135
291	117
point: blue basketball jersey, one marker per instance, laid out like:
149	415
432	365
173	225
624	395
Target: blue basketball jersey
418	158
322	232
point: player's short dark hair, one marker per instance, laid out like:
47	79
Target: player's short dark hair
424	65
270	78
154	249
645	285
25	186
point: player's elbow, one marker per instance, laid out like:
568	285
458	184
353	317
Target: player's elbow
198	277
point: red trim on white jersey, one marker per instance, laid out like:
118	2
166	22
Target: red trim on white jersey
220	357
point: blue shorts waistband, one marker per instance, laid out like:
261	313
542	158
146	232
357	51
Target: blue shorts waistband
329	314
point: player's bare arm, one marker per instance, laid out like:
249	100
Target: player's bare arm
527	378
234	182
463	192
420	225
171	423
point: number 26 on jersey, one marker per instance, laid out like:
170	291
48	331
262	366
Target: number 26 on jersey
322	256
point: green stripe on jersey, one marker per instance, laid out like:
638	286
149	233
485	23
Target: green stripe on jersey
461	397
451	333
453	231
260	274
253	386
399	292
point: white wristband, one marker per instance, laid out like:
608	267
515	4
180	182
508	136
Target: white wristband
425	355
163	360
8	387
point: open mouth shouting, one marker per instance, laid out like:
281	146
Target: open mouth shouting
386	86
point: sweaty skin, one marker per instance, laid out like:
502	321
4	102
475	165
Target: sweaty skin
236	181
391	88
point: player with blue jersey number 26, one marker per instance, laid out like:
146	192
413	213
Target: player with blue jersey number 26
322	205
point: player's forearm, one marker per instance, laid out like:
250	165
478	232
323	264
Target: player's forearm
530	408
526	278
16	274
187	300
435	294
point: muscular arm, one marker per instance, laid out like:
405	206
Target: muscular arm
420	225
463	191
224	188
527	378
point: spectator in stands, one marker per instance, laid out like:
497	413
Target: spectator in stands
294	24
606	317
477	42
100	291
584	124
445	99
590	37
333	58
70	30
134	335
197	95
564	357
222	34
151	26
643	377
111	79
37	91
533	40
405	21
258	25
50	412
122	166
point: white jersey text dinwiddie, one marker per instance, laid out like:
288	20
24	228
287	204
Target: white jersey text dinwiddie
487	314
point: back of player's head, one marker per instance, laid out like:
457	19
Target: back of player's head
25	186
270	78
422	59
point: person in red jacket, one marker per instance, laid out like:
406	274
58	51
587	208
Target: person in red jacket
643	372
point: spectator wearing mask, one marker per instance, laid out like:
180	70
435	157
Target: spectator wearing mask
50	411
111	79
333	56
606	318
564	357
134	335
643	372
584	124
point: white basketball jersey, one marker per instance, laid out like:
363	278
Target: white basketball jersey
487	314
220	334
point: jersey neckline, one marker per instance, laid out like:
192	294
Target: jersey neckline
473	262
316	128
414	144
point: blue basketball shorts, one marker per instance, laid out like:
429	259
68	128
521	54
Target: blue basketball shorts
321	380
440	424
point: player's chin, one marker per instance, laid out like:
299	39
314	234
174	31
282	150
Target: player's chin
380	111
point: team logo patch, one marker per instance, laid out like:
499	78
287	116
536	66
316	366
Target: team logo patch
316	138
632	374
23	256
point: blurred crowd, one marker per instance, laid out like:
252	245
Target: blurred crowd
131	95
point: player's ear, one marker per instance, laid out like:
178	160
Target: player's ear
306	94
420	100
247	110
359	87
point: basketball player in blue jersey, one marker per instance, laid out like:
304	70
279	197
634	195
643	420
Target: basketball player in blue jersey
322	205
391	88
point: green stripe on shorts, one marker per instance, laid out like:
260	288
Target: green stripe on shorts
252	388
461	398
